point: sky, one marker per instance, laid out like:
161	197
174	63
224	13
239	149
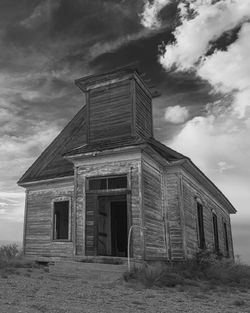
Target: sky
194	53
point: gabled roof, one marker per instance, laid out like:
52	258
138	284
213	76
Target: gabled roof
51	163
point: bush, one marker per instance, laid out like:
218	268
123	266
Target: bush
9	251
204	267
11	258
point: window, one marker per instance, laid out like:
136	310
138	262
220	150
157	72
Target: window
226	237
61	220
202	244
216	236
116	182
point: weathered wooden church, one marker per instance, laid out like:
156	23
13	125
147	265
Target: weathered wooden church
105	172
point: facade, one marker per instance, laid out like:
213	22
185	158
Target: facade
105	172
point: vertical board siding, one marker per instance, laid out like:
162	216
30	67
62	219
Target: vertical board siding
191	189
90	228
143	112
155	245
174	216
86	205
38	233
115	101
80	221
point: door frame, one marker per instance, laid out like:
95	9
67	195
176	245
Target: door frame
109	193
117	197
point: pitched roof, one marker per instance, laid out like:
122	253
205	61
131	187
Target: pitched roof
51	163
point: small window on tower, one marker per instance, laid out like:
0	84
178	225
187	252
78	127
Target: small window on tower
61	220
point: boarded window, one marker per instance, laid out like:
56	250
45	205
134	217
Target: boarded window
61	220
201	233
226	237
216	236
117	182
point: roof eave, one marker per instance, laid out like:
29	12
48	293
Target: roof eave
85	155
189	166
26	184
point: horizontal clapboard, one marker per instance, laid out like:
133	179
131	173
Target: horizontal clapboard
110	112
143	113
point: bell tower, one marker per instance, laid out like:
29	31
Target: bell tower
119	104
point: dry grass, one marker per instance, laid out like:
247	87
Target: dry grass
205	270
11	258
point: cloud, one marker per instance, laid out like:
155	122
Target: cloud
41	14
229	71
12	206
149	16
193	36
223	166
176	114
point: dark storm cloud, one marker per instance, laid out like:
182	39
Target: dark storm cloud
79	22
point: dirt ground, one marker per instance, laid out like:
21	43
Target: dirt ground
39	290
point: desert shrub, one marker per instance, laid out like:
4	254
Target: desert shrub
9	251
11	257
205	266
229	273
155	275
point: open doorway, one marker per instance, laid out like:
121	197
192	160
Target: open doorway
112	226
119	233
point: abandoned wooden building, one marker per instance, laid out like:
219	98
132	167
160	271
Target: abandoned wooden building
105	172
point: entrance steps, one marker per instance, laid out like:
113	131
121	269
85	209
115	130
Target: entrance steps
87	271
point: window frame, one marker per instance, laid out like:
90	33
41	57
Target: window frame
61	199
216	232
107	177
200	225
225	235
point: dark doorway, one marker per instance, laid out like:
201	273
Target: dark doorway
112	226
119	232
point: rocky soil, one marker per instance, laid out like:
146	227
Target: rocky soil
60	289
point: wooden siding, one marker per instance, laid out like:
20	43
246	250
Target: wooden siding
110	111
143	119
91	225
39	215
174	217
85	202
191	190
153	212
